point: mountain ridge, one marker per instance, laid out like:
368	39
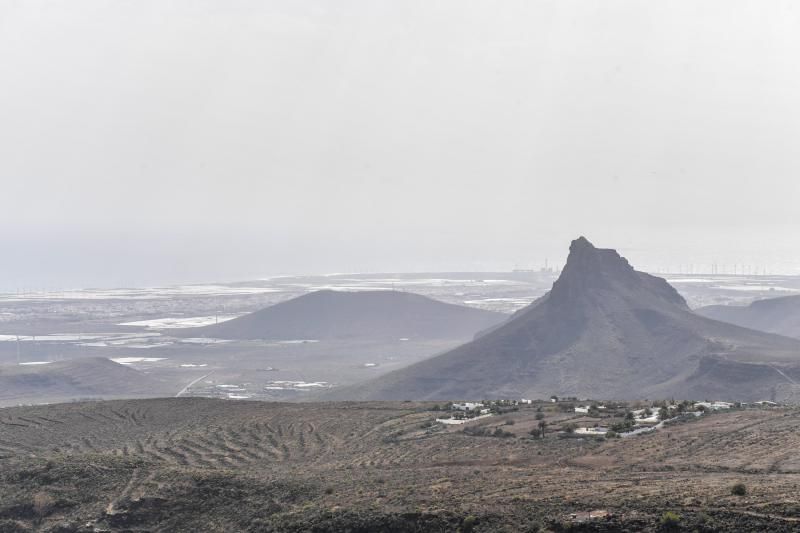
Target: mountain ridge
604	330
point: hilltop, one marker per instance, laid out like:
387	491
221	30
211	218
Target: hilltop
603	330
376	315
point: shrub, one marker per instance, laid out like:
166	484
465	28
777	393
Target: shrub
468	523
498	432
42	503
475	431
670	520
739	489
539	416
622	427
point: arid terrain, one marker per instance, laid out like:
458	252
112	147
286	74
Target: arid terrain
141	327
193	464
603	330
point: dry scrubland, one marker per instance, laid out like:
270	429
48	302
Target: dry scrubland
194	464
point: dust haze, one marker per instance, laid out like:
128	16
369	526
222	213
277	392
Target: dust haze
399	266
143	143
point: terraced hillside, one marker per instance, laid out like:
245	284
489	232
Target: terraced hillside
191	464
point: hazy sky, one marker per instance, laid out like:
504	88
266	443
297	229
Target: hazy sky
157	141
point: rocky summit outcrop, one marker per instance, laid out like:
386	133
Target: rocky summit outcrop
604	330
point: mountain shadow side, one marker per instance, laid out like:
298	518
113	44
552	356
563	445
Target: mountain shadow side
603	331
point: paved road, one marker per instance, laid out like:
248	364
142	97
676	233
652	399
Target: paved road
189	386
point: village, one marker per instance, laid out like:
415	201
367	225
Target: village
571	417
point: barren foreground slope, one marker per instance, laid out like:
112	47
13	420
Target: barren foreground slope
208	465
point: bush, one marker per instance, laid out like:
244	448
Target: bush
475	431
622	427
468	523
670	520
739	489
43	505
498	432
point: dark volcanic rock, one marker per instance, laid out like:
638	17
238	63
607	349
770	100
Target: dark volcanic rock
603	331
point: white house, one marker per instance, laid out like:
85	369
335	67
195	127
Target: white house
591	431
467	406
642	417
526	401
581	409
714	406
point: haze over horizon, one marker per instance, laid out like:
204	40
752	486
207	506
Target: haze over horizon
146	144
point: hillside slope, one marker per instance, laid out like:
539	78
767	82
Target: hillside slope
603	331
384	315
193	464
774	315
91	377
